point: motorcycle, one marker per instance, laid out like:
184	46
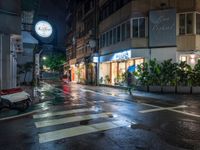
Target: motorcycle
15	98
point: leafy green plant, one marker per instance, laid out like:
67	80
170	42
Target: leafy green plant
154	72
54	62
107	79
142	74
195	75
101	80
168	73
184	74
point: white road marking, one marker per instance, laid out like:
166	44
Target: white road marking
158	108
21	115
98	101
65	120
145	104
73	104
162	108
51	114
186	113
76	131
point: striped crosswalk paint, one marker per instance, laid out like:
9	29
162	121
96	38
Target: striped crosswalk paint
80	130
51	114
65	120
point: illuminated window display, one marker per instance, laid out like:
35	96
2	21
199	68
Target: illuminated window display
116	69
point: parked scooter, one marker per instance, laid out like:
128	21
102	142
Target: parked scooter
15	99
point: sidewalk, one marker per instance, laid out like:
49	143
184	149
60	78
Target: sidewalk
175	98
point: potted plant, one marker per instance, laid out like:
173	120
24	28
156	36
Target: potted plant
168	76
196	79
101	80
107	79
154	76
142	76
184	72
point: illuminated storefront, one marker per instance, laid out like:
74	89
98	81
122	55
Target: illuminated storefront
112	67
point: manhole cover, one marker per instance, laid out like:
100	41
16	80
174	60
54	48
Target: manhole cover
184	133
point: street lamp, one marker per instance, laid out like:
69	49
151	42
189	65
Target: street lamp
44	57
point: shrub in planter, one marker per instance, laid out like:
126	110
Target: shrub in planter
107	79
142	76
184	78
154	76
168	76
195	78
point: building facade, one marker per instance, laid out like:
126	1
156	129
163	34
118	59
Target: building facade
134	31
10	41
131	32
83	47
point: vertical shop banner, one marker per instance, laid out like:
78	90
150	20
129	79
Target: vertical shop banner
162	28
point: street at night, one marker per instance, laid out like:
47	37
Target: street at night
99	74
78	117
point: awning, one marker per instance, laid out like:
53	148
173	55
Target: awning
28	38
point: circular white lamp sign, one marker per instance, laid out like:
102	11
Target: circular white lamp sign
43	29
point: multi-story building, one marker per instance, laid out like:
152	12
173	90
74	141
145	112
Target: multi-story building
10	41
83	43
134	31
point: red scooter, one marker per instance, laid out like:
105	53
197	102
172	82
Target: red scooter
15	98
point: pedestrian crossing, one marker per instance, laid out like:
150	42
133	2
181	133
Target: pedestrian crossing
44	120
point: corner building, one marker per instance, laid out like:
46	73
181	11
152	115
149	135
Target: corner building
134	31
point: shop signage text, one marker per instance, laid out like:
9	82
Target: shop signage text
43	29
162	28
122	55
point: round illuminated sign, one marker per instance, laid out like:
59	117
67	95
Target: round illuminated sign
43	29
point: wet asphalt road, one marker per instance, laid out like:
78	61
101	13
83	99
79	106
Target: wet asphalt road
76	118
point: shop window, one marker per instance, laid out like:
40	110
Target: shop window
139	62
198	23
186	23
114	73
130	63
138	26
122	68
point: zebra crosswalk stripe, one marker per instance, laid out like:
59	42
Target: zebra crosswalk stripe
80	130
65	120
51	114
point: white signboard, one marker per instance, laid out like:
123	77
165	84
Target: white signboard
43	29
122	55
